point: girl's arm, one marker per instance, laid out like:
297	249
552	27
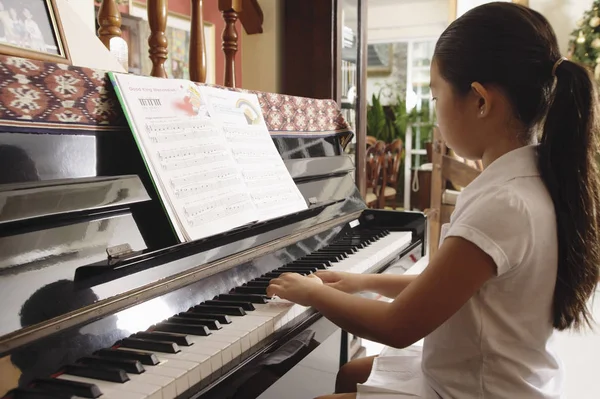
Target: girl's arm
456	272
387	285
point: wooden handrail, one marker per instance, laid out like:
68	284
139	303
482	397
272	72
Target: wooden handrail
197	45
109	20
157	18
251	17
230	10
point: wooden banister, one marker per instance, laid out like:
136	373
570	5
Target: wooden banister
251	17
197	45
230	10
157	18
109	20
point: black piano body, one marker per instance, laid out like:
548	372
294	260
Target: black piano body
90	266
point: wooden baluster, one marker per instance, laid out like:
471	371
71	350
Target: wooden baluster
230	10
157	18
197	45
109	19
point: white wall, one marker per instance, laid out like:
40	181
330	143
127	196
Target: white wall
563	16
261	53
85	10
84	46
409	19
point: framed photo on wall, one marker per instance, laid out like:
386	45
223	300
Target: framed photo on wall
32	29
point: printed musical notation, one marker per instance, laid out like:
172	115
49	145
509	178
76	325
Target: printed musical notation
209	154
269	183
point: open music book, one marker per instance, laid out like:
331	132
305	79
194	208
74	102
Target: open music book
209	153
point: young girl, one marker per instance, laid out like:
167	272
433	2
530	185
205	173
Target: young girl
520	257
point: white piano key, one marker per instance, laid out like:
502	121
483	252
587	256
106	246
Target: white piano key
168	384
182	381
150	391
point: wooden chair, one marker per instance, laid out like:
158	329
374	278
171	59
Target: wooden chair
446	170
371	141
374	165
393	158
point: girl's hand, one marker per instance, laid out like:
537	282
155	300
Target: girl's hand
350	283
294	287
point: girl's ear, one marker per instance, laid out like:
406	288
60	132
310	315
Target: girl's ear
481	99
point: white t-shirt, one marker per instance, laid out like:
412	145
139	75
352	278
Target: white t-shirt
499	344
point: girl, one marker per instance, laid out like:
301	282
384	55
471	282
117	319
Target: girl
520	257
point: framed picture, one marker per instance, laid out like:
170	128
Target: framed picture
32	29
380	59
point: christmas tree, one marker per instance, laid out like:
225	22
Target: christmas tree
584	46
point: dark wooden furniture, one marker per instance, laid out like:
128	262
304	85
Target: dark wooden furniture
323	44
446	171
247	11
394	152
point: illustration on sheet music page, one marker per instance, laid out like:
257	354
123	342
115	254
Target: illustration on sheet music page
209	154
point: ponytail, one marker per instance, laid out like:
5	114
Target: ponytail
567	163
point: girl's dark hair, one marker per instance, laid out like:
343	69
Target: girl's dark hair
515	49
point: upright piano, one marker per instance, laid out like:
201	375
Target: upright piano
99	299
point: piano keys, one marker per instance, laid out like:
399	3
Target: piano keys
99	299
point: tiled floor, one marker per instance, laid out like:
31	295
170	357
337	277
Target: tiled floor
579	351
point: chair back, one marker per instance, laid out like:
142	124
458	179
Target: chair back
394	152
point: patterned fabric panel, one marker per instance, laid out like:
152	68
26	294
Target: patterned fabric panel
40	96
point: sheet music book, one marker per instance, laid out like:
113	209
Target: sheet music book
209	154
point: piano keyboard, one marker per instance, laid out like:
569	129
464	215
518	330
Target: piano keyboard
188	348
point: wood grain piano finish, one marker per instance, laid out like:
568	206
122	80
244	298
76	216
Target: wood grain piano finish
89	265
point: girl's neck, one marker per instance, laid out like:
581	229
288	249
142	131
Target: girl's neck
502	147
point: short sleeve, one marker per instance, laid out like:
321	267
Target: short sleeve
499	223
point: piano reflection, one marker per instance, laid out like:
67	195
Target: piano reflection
101	300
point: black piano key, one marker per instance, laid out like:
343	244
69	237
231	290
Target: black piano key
262	280
179	339
270	275
35	393
80	389
228	310
323	258
297	269
348	249
221	318
130	366
148	359
197	321
312	269
311	262
332	252
319	266
211	323
262	283
150	345
251	290
183	328
241	297
99	373
244	305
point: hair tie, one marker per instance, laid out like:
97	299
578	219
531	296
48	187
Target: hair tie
556	64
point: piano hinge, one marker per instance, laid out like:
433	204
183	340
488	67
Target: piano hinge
312	201
119	253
